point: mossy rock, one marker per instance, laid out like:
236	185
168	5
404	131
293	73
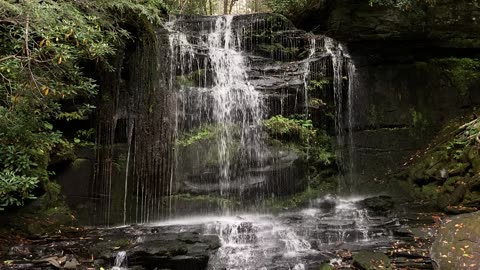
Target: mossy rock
430	191
473	156
457	168
452	183
326	266
457	243
367	260
454	198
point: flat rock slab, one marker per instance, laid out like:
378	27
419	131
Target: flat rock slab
143	247
182	251
457	245
366	260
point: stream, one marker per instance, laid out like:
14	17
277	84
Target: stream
326	232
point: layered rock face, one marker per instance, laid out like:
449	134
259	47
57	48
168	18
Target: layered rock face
445	23
413	72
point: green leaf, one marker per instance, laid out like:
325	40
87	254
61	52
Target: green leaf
48	126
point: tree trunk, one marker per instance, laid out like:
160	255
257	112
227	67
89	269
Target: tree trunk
232	3
205	8
211	7
225	7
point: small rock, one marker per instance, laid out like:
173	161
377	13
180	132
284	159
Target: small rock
71	264
366	260
457	210
454	198
379	205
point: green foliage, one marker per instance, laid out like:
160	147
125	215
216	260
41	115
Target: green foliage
291	129
418	120
288	7
314	142
197	135
470	132
45	45
14	189
318	84
85	138
316	102
462	72
402	4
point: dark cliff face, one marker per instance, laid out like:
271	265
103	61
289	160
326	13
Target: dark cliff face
447	23
412	68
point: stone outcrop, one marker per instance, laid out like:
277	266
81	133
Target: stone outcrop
445	23
406	85
457	244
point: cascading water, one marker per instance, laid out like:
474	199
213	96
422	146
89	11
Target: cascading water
344	118
236	104
120	261
223	77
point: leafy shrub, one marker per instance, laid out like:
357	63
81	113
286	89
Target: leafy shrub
288	7
301	132
15	189
46	45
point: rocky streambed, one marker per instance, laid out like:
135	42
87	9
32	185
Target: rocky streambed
330	233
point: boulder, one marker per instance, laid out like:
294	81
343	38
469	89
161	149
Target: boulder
367	260
457	245
185	251
379	205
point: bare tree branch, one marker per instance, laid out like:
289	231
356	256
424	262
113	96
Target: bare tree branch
7	57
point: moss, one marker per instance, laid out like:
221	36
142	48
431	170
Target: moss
419	121
277	22
430	191
197	135
462	72
216	200
279	48
319	84
300	134
446	173
191	79
371	261
300	199
121	243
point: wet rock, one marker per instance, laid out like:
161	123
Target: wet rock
326	204
366	260
184	251
19	250
457	245
379	205
71	264
457	210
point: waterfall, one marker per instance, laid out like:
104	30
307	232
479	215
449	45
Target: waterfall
307	71
344	118
120	261
235	101
221	99
189	121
